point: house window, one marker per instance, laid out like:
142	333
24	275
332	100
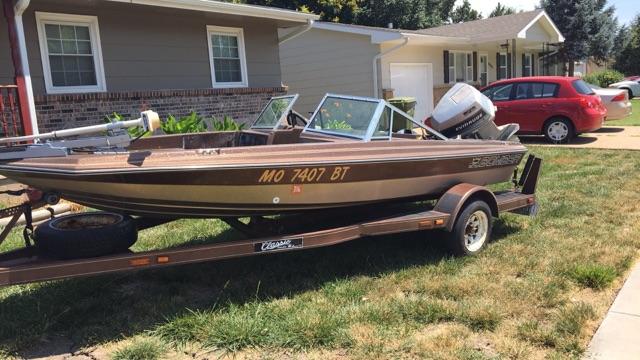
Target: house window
527	65
460	66
502	66
71	53
227	57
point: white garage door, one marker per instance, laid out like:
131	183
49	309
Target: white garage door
414	80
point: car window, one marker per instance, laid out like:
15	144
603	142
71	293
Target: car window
502	92
582	87
522	91
543	90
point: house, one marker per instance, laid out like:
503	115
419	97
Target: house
369	61
77	60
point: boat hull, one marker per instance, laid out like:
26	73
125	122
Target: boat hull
217	191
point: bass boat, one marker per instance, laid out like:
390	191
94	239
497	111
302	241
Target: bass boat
352	151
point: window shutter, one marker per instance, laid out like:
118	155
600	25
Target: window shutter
523	56
446	66
475	66
532	64
498	66
509	74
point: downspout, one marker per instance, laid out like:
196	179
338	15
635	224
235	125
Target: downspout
23	70
376	91
303	29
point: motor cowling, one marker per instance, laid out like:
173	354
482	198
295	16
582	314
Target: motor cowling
467	113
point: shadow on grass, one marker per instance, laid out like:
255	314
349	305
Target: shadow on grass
91	311
540	140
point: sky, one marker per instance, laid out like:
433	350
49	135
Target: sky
625	9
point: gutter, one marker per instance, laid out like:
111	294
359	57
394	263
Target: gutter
19	9
376	91
301	30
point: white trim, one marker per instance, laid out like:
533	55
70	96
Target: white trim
229	8
19	9
43	18
523	33
466	68
239	33
382	35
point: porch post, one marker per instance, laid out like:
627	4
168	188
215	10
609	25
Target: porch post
21	67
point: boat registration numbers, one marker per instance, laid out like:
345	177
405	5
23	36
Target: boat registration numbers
304	175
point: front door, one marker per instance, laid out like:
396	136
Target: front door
484	58
414	80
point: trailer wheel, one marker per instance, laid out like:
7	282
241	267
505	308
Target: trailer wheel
472	229
85	235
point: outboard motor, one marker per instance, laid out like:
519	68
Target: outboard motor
466	112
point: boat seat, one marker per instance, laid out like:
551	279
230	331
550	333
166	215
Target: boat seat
285	136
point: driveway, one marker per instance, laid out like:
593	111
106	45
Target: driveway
609	137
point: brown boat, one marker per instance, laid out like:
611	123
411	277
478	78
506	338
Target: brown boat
353	151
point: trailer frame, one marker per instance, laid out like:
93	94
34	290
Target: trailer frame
25	265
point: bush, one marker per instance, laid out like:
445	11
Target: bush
192	123
603	78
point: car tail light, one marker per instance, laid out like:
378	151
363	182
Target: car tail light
427	121
588	102
620	97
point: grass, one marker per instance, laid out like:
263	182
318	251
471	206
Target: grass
631	120
537	291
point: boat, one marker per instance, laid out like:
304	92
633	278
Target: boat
348	153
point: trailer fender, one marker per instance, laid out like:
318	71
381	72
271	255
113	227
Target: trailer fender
453	201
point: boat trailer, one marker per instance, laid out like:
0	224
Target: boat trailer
27	265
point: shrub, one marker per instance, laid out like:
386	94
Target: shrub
226	124
191	123
603	78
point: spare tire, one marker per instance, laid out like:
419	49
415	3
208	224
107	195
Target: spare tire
85	235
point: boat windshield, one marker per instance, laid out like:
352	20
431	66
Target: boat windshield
344	116
274	114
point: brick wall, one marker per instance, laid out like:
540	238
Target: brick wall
73	110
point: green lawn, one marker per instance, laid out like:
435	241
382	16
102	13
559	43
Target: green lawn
539	290
631	120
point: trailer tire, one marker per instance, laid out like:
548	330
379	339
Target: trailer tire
472	229
85	235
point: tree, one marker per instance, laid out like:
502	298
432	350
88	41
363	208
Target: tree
622	39
329	10
588	26
501	10
627	61
464	13
404	14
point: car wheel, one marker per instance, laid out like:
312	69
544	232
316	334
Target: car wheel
558	130
630	94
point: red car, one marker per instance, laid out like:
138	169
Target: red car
555	106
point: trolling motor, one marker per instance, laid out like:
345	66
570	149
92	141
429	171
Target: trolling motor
466	112
56	145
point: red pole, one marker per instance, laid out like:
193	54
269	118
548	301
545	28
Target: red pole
17	66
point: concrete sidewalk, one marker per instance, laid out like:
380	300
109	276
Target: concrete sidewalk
618	337
609	137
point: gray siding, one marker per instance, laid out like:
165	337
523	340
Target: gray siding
321	61
6	66
152	48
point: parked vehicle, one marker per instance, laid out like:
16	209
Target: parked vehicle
632	78
632	87
615	100
557	107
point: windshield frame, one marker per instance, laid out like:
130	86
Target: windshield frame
281	118
373	124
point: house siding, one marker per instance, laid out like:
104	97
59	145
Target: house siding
6	65
151	48
321	61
